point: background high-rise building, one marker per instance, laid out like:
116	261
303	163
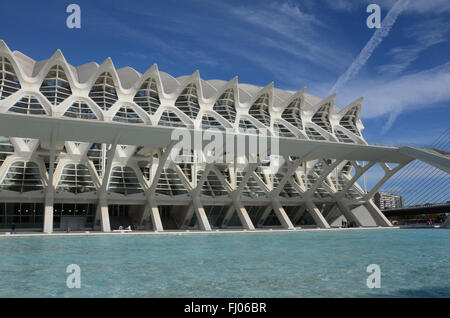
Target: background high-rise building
385	200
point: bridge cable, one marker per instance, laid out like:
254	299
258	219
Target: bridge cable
411	169
403	183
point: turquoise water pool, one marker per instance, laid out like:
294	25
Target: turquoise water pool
414	263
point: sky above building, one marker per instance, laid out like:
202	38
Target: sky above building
403	73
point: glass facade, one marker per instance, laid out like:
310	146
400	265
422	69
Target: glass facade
9	83
104	91
56	86
22	177
28	105
187	102
80	110
63	211
147	97
22	215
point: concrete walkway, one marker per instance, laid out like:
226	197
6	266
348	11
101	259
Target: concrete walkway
186	232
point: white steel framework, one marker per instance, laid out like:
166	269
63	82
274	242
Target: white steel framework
97	143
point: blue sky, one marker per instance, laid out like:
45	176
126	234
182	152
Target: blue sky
405	80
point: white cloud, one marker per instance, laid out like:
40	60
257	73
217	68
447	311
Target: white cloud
373	43
422	6
406	93
412	137
425	35
415	6
343	5
287	28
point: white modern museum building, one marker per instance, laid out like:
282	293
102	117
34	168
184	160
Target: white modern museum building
87	148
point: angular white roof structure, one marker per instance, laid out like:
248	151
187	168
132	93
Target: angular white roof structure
95	139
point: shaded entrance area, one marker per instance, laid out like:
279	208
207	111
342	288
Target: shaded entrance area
168	219
22	215
300	216
216	216
125	215
73	216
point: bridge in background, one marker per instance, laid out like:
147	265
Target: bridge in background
424	184
419	209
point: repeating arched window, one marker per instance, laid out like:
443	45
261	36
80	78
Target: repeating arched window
252	188
145	167
281	130
312	178
9	82
224	106
124	181
28	105
309	182
126	114
225	173
338	178
104	91
169	183
348	121
212	185
22	176
260	173
313	134
56	86
95	155
209	122
322	117
288	190
246	126
260	109
292	113
169	118
147	97
75	178
186	167
342	137
187	102
6	148
80	110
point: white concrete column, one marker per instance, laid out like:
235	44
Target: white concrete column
377	215
48	213
50	191
201	215
102	207
151	210
228	216
103	214
281	215
243	215
317	216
